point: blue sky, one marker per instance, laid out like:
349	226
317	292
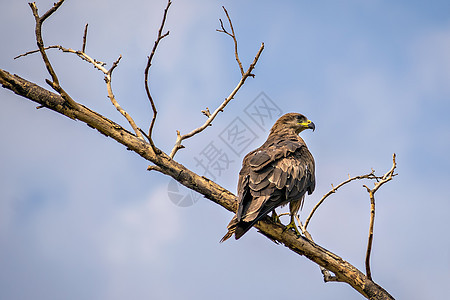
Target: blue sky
81	218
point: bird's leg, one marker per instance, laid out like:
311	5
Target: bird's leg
294	207
293	226
275	217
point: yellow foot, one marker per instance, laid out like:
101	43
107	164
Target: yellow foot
275	217
293	226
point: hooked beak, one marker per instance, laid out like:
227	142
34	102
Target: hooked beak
308	125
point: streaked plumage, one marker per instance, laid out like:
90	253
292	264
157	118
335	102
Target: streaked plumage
281	171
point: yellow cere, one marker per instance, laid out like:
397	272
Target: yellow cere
305	123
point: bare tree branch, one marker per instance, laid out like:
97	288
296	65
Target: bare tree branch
370	238
50	11
233	36
371	175
380	180
83	47
386	178
34	51
116	104
180	137
147	68
244	77
206	112
96	63
38	31
108	73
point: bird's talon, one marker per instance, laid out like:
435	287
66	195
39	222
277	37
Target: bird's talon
274	217
293	227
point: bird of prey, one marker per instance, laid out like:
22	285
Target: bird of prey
279	172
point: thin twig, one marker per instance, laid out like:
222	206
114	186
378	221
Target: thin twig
154	168
233	36
144	134
50	11
180	137
371	175
244	77
370	239
97	64
386	178
83	48
40	43
206	112
34	51
114	101
147	68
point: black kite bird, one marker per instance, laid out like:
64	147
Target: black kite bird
281	171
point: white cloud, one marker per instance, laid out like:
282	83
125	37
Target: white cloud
139	233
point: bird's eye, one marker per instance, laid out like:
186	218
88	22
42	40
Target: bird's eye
301	119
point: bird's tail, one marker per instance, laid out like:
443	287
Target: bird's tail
226	236
237	228
231	229
242	228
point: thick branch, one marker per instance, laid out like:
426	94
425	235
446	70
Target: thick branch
343	270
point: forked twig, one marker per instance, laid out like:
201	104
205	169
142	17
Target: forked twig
371	175
34	51
380	180
233	36
386	178
208	122
147	68
40	43
97	64
108	73
245	75
111	97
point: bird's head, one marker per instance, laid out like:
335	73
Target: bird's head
292	121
